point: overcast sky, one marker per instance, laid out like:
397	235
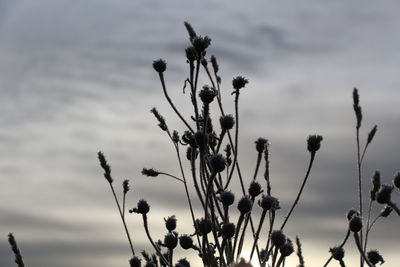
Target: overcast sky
76	77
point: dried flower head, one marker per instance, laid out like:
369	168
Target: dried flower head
278	238
135	262
337	253
374	257
125	186
161	121
355	224
150	172
207	94
287	249
204	226
106	167
260	144
371	134
171	240
352	212
254	189
383	196
170	223
188	138
184	262
228	230
239	82
142	207
201	43
357	108
227	122
376	184
268	202
190	30
227	198
314	143
201	139
217	162
244	205
159	65
214	63
190	54
186	241
385	212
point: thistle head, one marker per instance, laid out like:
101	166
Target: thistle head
227	122
142	207
217	162
186	241
135	262
159	65
201	43
269	202
383	196
207	94
374	257
244	205
278	238
170	223
287	249
260	144
254	189
314	143
228	230
227	198
337	253
239	82
355	224
171	240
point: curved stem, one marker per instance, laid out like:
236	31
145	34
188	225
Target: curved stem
157	249
341	245
359	246
264	212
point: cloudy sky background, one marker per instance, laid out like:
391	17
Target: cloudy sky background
76	77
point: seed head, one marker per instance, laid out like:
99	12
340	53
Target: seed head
227	122
170	240
214	63
190	30
244	205
376	184
396	180
184	262
228	230
355	224
207	94
190	53
170	223
135	262
125	185
239	82
201	43
352	212
337	253
150	172
254	189
186	241
260	144
188	138
278	238
142	207
268	202
357	108
204	226
371	134
159	65
217	162
201	140
189	151
374	257
161	120
287	249
227	198
383	196
314	143
385	212
106	167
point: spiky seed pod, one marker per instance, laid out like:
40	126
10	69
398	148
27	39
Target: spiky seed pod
374	257
278	238
396	180
269	202
351	213
186	241
371	134
260	144
376	184
227	122
170	223
170	240
314	143
239	82
142	207
175	137
184	262
227	198
159	65
135	262
188	138
357	108
385	212
201	140
161	120
17	253
201	43
228	230
355	224
207	94
190	30
287	249
190	53
106	167
254	189
150	172
383	196
217	162
337	253
244	205
204	226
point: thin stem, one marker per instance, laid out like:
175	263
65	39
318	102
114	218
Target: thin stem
359	246
259	156
368	221
301	190
157	249
340	246
171	103
360	202
172	176
122	218
264	212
